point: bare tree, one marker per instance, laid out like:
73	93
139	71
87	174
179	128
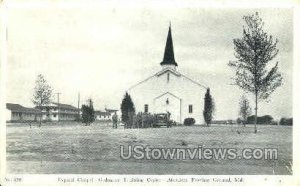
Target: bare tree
245	109
42	93
254	52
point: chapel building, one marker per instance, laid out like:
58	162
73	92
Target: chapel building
170	91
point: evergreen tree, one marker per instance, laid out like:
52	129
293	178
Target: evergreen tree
209	107
88	113
254	51
128	110
92	111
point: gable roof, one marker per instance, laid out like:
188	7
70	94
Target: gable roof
166	94
65	106
19	108
193	81
110	110
176	73
169	58
168	70
102	113
60	105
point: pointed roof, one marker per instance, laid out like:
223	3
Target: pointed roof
169	58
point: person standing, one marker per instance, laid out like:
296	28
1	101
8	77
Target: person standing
115	120
168	119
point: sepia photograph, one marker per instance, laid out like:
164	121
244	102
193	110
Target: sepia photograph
110	89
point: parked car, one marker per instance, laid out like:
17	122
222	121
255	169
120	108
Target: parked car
162	119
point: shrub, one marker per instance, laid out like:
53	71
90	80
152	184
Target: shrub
267	119
172	122
129	123
143	120
88	114
78	118
286	121
239	121
127	111
137	120
209	108
189	121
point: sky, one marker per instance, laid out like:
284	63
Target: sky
101	51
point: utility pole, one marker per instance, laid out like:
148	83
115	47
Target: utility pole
58	93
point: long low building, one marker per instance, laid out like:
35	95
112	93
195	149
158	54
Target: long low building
105	115
50	112
102	115
19	113
59	112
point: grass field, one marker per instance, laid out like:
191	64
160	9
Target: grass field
72	148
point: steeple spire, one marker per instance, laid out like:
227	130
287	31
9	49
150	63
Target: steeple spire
169	58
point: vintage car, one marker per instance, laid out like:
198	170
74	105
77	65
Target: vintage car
162	119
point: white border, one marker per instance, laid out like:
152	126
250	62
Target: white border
52	179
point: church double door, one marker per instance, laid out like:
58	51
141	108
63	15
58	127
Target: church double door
168	102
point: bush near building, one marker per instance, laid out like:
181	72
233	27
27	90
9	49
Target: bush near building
286	121
189	121
143	120
88	114
148	120
239	121
127	111
267	119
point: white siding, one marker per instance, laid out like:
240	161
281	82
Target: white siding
187	91
8	115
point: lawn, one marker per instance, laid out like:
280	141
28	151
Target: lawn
68	148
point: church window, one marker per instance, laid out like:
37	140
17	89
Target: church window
146	108
190	108
167	102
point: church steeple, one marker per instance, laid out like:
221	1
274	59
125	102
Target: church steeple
169	59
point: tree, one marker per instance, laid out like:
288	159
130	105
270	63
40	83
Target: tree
42	93
128	110
254	51
245	109
209	107
88	113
